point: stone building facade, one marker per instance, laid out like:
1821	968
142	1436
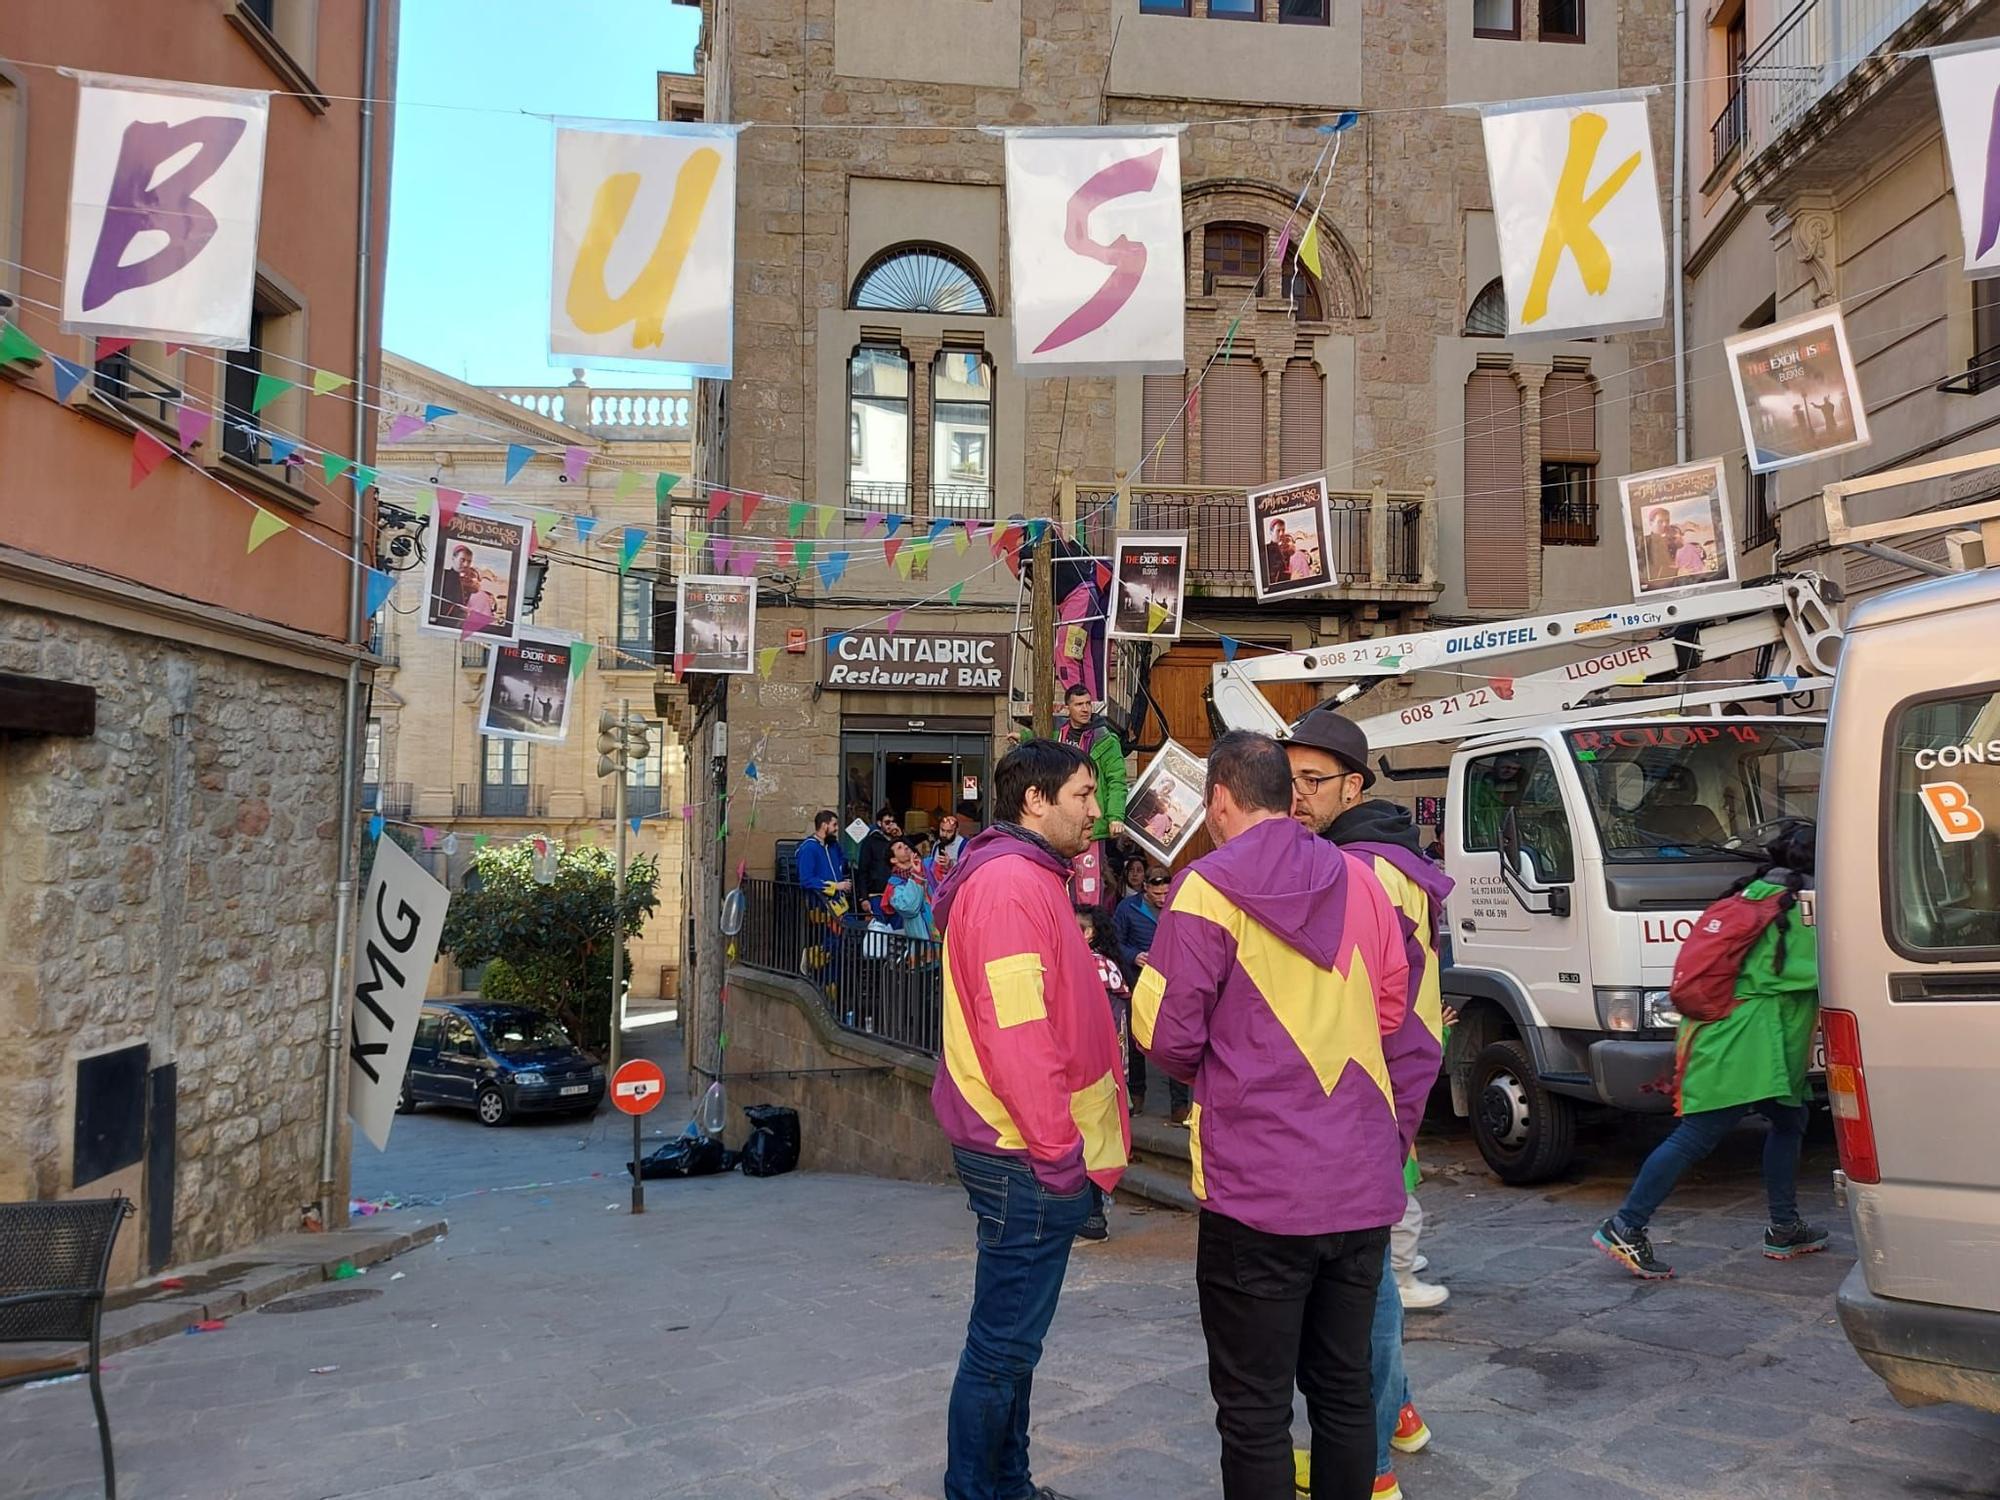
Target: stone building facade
872	310
427	767
171	705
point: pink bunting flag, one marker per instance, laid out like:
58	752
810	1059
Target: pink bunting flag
745	565
895	619
404	425
477	618
574	459
191	423
148	453
724	549
750	504
718	501
869	522
687	811
447	504
431	836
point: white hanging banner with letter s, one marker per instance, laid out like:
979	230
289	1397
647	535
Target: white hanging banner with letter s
1094	250
1576	205
164	192
643	268
402	918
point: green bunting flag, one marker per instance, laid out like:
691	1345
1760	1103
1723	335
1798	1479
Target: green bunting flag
16	345
802	554
333	466
579	657
546	522
954	591
269	389
795	517
664	486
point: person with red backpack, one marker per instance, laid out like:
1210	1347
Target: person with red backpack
1747	986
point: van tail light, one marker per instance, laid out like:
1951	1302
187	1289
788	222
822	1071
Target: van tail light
1847	1089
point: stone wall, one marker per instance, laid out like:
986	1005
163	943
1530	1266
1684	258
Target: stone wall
875	1119
170	881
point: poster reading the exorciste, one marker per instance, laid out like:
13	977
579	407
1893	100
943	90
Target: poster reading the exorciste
644	256
1290	539
474	574
716	626
1677	528
1165	806
1968	81
1149	575
528	689
165	188
1576	207
1796	391
1094	249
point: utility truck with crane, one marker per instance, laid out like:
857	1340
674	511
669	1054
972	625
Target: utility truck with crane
1595	806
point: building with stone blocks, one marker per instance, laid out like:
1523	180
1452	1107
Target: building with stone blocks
171	705
429	770
1817	177
875	377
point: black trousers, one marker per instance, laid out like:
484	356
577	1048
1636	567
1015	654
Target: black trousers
1280	1310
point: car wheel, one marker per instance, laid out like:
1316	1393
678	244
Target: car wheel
492	1106
406	1104
1526	1133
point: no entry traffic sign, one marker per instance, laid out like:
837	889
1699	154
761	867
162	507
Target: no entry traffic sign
637	1086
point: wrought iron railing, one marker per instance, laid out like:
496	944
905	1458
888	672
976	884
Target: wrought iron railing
397	800
1812	49
625	654
472	654
501	799
640	801
877	983
1726	134
958	501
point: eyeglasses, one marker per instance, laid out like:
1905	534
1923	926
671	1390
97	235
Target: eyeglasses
1309	782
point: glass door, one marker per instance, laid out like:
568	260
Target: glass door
920	776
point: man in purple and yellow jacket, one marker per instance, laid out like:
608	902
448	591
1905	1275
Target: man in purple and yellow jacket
1277	972
1030	1092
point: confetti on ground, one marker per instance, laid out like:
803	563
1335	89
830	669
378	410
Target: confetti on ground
398	1276
345	1271
322	1369
207	1325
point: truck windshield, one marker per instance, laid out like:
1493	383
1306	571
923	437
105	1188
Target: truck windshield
1692	789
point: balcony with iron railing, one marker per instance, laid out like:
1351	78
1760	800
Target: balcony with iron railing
640	801
472	655
625	653
500	799
957	502
1383	544
395	800
878	983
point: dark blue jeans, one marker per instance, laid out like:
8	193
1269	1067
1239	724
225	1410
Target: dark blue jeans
1025	1233
1699	1134
1386	1379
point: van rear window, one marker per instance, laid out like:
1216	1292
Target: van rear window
1943	892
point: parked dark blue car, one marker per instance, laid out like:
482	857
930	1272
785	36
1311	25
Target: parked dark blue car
497	1061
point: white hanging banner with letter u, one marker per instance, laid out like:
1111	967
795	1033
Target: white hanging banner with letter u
402	918
1576	205
1094	249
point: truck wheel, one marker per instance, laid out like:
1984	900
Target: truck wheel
1526	1133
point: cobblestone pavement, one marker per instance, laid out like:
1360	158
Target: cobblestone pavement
795	1338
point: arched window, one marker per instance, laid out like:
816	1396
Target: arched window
1488	318
922	279
1232	250
1303	290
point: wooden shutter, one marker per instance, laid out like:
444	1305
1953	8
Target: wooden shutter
1301	421
1161	415
1496	526
1232	424
1569	416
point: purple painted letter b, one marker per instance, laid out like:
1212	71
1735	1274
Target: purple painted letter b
135	205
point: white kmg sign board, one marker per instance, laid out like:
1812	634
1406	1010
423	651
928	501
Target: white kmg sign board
402	918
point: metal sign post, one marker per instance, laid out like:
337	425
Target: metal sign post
637	1087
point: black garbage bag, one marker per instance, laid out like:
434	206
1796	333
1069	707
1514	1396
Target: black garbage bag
773	1147
693	1153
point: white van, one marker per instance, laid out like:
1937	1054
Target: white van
1908	912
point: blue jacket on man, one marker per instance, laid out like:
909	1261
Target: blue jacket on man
821	866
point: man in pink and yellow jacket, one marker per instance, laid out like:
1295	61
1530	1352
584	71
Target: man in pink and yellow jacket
1030	1092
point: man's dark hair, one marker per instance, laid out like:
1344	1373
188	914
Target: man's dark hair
821	818
1256	770
1045	765
895	844
1076	690
884	813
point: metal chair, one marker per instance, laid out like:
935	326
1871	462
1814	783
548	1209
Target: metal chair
54	1258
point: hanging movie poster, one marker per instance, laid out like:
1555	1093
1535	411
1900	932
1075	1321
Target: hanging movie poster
1149	575
1290	535
477	562
1165	807
1677	529
716	629
1796	391
528	689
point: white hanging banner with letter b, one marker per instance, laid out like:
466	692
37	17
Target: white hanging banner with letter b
1576	205
1094	249
402	918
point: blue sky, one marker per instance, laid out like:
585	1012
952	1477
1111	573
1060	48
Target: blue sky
469	195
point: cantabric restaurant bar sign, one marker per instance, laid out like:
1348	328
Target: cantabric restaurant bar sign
918	661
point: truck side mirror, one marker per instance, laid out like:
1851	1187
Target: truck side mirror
1541	899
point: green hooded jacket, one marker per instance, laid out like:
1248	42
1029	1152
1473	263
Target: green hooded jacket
1761	1049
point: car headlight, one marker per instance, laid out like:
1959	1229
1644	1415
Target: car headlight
529	1080
1660	1011
597	1072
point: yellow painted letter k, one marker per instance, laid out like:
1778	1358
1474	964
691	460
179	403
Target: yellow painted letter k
1569	220
589	302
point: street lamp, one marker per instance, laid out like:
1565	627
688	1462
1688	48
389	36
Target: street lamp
622	740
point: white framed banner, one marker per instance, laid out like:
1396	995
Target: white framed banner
155	253
643	261
529	689
1148	584
474	575
1167	803
1967	79
1678	533
1796	391
1576	207
402	919
715	626
1094	249
1291	538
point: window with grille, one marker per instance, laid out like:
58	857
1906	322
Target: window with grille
1163	429
878	469
503	786
1487	318
1233	250
1301	420
643	776
1232	423
961	433
1496	530
371	766
1562	20
922	279
1569	460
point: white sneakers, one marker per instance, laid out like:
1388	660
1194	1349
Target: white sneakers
1417	1295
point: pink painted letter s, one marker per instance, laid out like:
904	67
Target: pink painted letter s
1125	256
